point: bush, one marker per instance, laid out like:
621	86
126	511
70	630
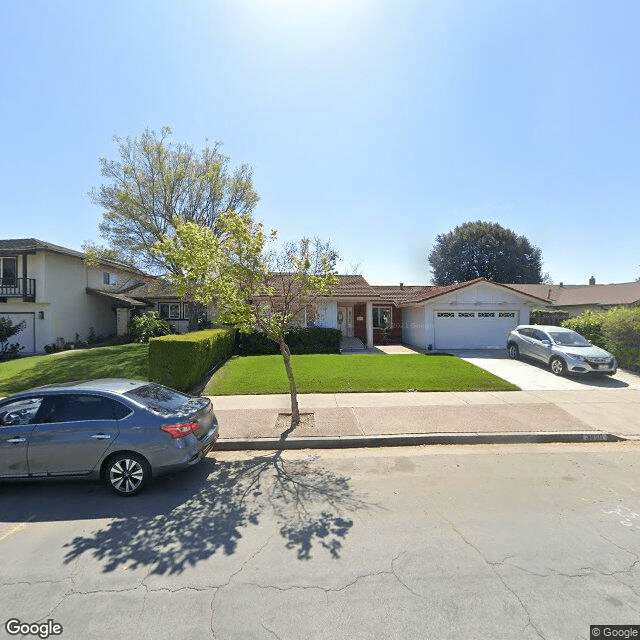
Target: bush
9	351
182	361
300	341
589	325
554	317
621	331
148	325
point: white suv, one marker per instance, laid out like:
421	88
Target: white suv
564	350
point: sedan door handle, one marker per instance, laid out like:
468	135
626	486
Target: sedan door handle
16	440
101	436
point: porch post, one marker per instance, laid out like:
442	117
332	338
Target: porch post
369	325
122	320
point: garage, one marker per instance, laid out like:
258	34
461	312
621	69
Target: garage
27	337
486	329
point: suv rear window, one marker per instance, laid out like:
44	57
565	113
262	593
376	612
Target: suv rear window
158	398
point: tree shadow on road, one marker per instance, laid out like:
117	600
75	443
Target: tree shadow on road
311	505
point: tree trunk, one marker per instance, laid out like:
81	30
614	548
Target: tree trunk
286	355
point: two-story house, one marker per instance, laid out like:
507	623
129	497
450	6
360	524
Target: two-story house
59	296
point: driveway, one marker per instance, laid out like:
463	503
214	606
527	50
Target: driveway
531	375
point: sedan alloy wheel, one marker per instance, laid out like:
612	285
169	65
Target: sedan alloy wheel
126	474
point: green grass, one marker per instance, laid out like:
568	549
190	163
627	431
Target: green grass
123	361
352	373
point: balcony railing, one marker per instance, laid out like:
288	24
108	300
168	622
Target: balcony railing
24	288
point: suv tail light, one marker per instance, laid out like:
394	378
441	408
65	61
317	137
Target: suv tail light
180	430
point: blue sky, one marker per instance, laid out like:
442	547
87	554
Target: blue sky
376	124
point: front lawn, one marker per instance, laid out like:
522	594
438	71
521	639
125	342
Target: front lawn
123	361
352	373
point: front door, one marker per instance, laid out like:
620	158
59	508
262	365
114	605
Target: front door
345	321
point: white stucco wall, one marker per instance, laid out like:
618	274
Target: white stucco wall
479	297
72	309
413	327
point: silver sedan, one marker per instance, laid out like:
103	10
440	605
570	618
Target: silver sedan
564	350
121	431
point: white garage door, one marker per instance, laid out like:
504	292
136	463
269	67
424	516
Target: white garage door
473	329
27	337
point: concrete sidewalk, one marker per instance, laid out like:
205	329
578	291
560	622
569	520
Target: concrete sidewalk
373	419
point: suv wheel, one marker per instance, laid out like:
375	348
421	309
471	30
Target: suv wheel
558	366
513	351
127	473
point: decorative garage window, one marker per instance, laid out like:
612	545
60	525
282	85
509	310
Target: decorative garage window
466	314
445	314
169	310
507	314
487	314
382	318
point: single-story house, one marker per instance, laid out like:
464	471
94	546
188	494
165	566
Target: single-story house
578	298
160	296
475	314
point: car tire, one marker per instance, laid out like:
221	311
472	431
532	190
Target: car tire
558	366
512	351
126	474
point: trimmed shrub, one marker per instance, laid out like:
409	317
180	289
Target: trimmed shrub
589	325
314	340
181	361
143	327
300	341
621	331
552	317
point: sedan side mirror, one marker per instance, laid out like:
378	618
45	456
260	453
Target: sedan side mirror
546	343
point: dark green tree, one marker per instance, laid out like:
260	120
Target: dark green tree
156	184
484	250
8	330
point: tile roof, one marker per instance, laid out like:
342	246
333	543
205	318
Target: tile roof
347	287
33	244
353	287
584	294
153	288
415	294
405	294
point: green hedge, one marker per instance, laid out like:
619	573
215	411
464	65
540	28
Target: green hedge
589	325
300	341
181	361
554	317
621	331
617	331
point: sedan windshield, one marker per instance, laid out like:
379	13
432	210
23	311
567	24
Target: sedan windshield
569	339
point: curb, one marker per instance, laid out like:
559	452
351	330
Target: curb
410	440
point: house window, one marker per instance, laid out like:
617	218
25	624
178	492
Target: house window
466	314
486	314
382	318
8	271
169	310
506	314
445	314
109	278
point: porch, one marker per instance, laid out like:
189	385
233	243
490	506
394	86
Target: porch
24	288
370	323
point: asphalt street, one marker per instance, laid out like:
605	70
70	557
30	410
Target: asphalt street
519	541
